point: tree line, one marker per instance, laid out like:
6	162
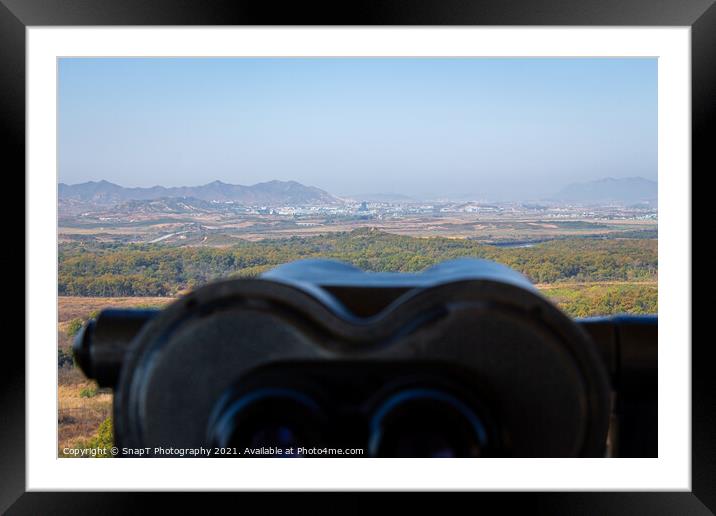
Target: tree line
87	269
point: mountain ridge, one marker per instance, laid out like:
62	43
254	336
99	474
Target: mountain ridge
277	193
269	193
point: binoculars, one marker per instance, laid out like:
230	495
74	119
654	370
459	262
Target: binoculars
465	359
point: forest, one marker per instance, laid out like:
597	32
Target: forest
112	270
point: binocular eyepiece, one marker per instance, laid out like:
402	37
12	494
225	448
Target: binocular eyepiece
408	420
316	357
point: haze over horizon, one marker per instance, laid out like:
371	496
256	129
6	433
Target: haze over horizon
422	127
635	188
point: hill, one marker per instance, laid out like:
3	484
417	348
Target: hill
626	190
271	193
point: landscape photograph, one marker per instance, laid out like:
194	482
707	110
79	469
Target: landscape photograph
177	172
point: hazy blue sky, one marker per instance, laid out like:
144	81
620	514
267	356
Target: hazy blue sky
491	128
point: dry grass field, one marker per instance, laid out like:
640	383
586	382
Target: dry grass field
217	230
77	307
82	407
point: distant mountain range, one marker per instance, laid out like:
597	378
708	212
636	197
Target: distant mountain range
291	193
271	193
628	190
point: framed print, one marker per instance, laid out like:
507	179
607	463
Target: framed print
435	238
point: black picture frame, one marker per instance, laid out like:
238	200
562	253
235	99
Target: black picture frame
700	15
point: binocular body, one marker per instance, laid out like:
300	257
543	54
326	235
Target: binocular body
466	359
